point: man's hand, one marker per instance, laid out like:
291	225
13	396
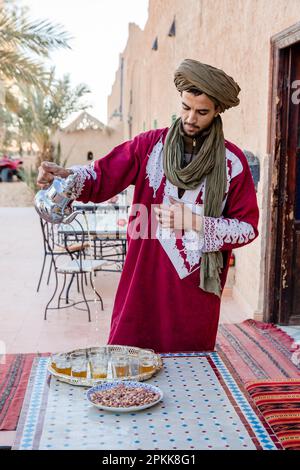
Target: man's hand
47	173
177	216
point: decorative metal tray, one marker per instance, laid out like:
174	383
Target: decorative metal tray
134	370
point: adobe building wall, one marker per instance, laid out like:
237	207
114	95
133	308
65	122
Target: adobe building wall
75	145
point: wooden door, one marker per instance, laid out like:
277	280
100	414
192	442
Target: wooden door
286	289
295	149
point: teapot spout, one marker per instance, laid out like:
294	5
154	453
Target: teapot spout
71	217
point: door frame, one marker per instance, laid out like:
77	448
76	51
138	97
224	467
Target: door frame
275	303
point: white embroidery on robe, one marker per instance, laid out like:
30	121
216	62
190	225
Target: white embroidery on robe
154	168
218	230
195	243
82	173
236	164
231	171
167	238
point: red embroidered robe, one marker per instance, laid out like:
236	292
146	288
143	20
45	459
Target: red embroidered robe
159	303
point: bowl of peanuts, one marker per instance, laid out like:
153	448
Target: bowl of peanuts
120	396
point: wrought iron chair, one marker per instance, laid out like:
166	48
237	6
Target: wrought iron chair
111	246
54	245
77	265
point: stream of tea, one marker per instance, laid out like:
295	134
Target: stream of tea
90	253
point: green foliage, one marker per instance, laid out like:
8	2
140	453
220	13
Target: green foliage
57	156
48	111
33	103
22	45
40	115
29	177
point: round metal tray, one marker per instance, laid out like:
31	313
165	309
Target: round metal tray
133	353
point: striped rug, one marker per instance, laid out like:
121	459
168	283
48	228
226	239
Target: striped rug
14	375
257	350
279	403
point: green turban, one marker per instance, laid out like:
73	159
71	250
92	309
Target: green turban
215	83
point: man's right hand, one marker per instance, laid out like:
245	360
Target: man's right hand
48	171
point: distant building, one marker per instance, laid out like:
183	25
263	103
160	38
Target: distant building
83	136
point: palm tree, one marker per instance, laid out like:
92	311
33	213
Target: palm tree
22	44
41	115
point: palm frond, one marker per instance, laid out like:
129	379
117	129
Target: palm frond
21	69
39	37
11	102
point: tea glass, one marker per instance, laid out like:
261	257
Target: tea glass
79	365
120	363
61	363
147	362
99	364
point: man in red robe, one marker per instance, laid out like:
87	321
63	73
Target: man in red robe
194	201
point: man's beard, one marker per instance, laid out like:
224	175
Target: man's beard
194	132
198	132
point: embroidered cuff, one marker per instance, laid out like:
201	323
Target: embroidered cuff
82	173
218	231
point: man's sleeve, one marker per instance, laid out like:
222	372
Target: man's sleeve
110	175
237	226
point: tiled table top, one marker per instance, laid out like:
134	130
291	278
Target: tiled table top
203	408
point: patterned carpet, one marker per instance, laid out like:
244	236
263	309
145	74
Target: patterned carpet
257	350
15	370
267	362
279	403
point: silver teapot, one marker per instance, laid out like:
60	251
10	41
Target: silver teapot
54	203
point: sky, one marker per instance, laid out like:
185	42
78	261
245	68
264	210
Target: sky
100	30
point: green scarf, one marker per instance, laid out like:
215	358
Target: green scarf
210	161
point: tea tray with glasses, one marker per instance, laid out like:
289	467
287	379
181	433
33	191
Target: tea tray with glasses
87	367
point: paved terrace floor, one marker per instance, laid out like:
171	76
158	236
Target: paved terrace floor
22	327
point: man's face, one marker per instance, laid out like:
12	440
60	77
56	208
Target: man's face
197	112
